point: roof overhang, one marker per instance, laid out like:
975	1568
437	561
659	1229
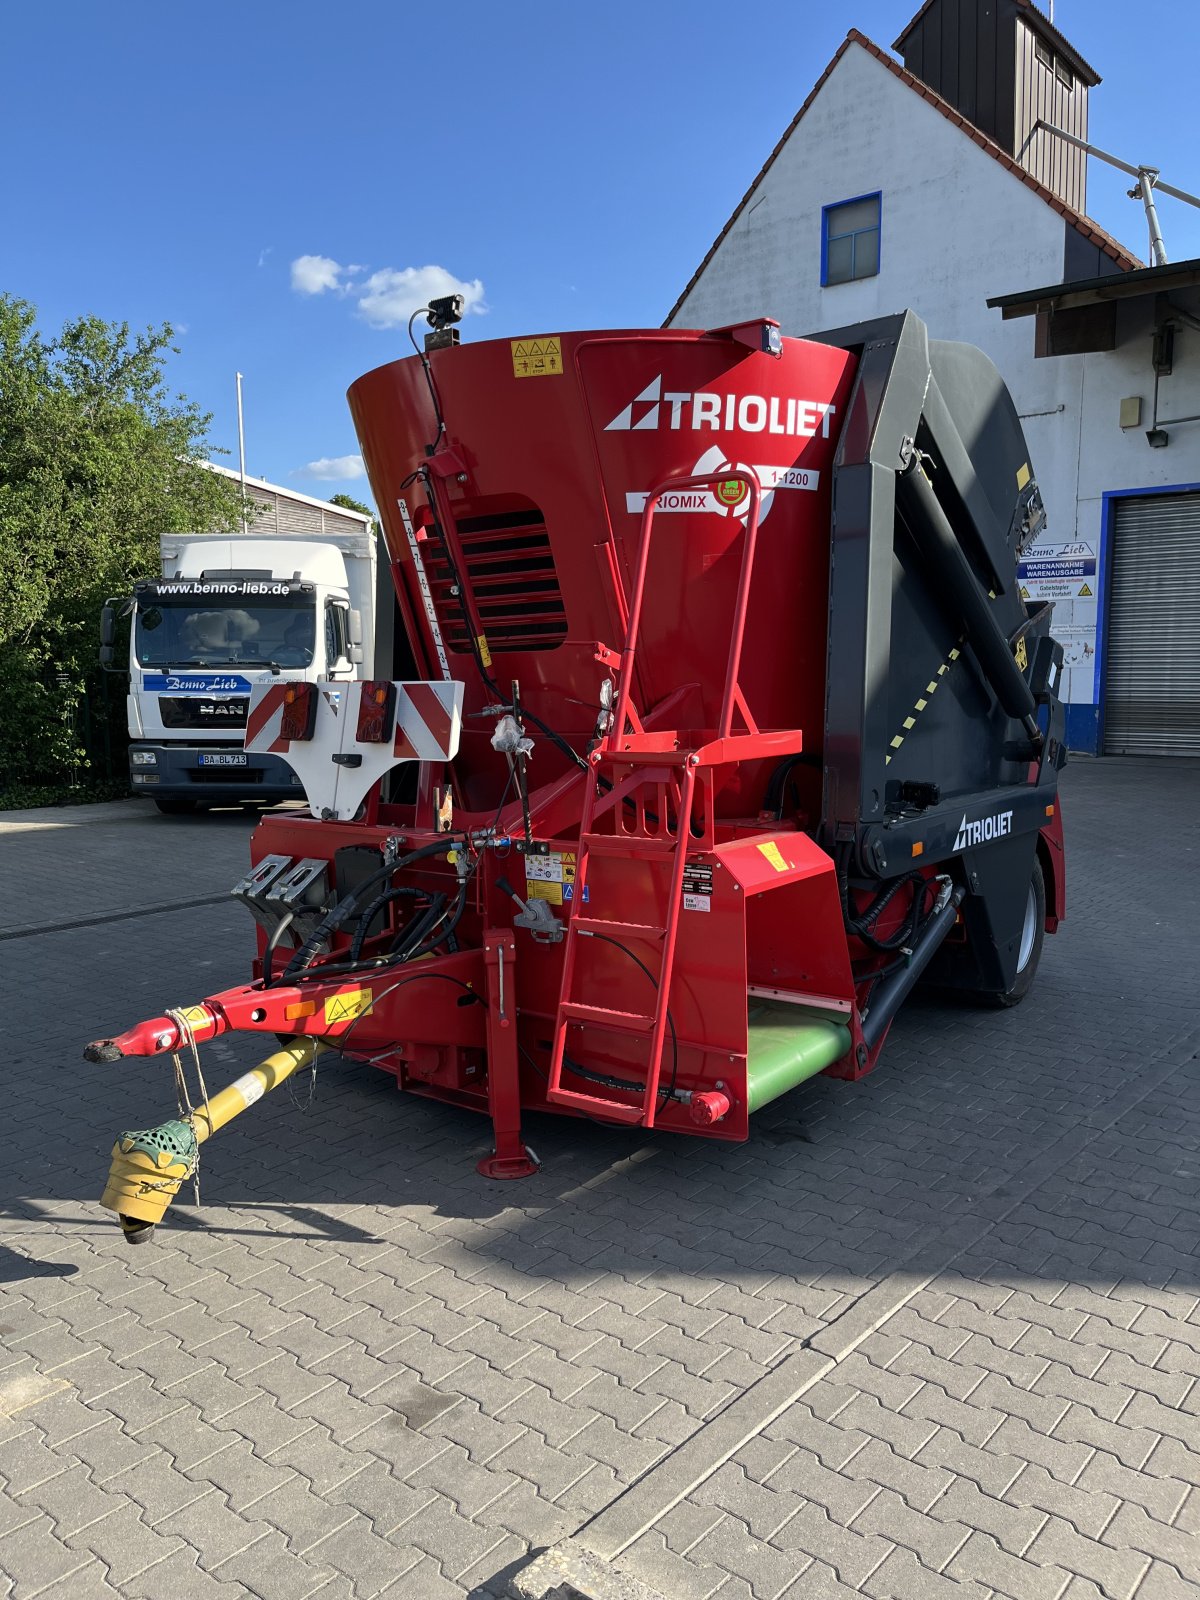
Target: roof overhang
1135	285
1080	317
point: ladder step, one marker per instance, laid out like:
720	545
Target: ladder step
631	930
610	844
607	1019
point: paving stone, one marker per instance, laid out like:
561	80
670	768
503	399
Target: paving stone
732	1547
90	1582
269	1570
299	1515
34	1557
901	1576
853	1556
424	1581
982	1560
72	1501
155	1486
364	1556
125	1544
1118	1572
934	1538
1132	1529
179	1577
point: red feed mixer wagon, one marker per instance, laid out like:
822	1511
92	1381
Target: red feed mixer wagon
716	721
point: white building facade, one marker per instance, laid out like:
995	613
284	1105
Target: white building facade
881	176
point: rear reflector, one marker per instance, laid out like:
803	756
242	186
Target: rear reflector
376	711
299	711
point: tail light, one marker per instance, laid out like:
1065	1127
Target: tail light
376	711
299	711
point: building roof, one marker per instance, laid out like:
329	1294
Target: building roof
1041	24
1134	285
1090	230
288	494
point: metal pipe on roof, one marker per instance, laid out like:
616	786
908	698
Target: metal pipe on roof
1147	181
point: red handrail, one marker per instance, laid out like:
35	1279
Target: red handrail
745	475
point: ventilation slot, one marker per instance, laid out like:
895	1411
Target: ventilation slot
510	570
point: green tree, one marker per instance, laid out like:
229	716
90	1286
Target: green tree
349	503
97	459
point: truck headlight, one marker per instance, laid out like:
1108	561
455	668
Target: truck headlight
143	758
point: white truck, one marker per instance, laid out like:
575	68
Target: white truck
229	613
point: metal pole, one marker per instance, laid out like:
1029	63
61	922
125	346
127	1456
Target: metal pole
1158	250
242	449
1147	181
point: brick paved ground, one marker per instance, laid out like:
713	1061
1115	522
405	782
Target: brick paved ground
363	1370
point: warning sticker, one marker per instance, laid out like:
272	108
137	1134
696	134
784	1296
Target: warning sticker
197	1016
536	358
558	866
1085	592
250	1087
345	1007
1023	475
539	889
1024	592
772	853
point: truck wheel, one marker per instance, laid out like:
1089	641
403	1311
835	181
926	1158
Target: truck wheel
175	805
1033	935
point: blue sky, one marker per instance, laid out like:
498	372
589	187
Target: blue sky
171	163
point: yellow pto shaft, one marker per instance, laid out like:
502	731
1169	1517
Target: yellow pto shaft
148	1165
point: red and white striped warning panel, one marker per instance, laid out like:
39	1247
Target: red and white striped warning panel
428	721
428	727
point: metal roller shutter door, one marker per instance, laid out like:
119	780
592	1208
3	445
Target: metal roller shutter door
1152	680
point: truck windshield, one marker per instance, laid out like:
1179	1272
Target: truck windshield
247	634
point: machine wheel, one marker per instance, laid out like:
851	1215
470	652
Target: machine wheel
172	805
1033	936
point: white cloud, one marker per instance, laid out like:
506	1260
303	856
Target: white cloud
315	274
333	469
389	297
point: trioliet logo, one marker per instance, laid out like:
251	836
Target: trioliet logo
748	413
983	831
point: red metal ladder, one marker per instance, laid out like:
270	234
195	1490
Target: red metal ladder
654	1023
655	765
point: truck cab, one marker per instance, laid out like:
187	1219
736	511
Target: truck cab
226	615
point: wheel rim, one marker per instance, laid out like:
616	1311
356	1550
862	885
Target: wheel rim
1028	931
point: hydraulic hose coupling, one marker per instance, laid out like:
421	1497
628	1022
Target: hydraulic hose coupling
709	1107
148	1165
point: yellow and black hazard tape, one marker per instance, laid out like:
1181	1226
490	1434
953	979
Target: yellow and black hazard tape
923	700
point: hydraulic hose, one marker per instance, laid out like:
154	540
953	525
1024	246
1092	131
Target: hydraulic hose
859	924
403	891
346	907
281	928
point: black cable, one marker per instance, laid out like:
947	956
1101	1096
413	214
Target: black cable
668	1093
775	797
432	977
428	370
601	1122
268	960
403	891
859	924
346	906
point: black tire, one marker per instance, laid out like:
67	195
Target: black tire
1033	936
172	805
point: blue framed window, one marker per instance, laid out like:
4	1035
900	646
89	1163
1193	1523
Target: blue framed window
850	239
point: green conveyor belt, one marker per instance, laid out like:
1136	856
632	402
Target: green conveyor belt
787	1045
